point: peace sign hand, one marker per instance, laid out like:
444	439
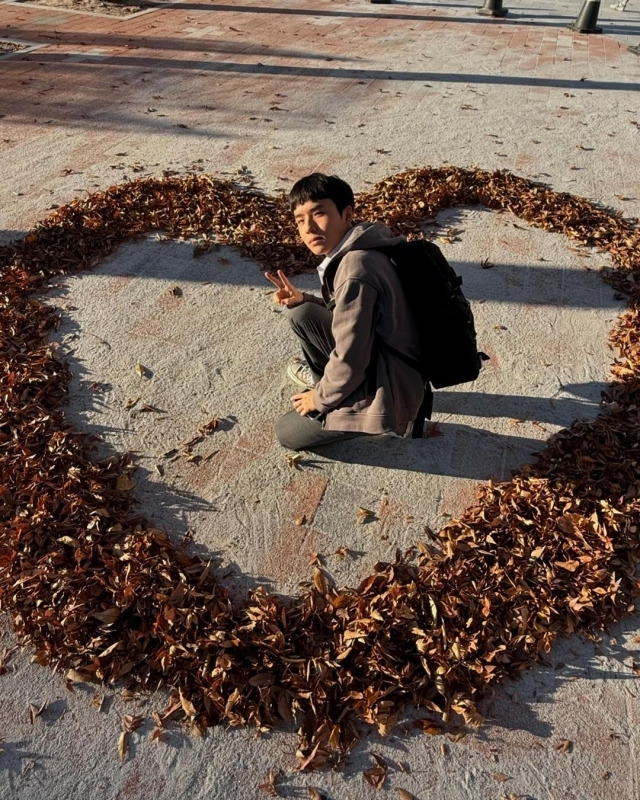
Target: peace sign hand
287	294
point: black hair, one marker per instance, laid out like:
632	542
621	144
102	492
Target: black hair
321	187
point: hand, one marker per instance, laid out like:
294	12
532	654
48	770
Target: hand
303	403
287	294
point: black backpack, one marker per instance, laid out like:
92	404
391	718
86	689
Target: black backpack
441	313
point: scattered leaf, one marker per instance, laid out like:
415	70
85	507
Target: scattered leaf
98	701
123	745
364	515
376	776
131	722
268	785
564	746
432	431
35	711
294	459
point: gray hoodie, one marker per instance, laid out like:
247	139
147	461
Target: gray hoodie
365	388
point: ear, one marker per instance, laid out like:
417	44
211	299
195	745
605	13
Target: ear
347	214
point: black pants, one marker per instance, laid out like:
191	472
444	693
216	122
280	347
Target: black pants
311	323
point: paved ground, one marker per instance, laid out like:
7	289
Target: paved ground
268	91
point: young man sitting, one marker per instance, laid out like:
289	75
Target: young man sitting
353	385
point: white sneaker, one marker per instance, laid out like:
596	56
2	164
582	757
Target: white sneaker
618	6
300	373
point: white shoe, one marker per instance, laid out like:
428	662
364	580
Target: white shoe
618	7
300	373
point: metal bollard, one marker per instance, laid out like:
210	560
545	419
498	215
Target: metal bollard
493	8
587	18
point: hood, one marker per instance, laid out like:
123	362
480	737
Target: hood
368	236
365	236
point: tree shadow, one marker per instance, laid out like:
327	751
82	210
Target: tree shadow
517	704
554	411
341	73
153	258
19	763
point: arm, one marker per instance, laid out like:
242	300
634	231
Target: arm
313	298
353	330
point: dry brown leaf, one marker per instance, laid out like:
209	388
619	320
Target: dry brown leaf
123	745
35	711
430	726
124	483
268	785
108	616
98	701
375	776
432	430
319	580
131	722
364	515
564	746
187	706
78	676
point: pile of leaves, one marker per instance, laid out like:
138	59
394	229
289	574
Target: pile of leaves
95	589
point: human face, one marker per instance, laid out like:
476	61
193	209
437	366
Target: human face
321	226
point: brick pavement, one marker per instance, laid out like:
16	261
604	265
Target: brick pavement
100	72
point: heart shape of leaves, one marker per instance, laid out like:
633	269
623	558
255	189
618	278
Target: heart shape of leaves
95	589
